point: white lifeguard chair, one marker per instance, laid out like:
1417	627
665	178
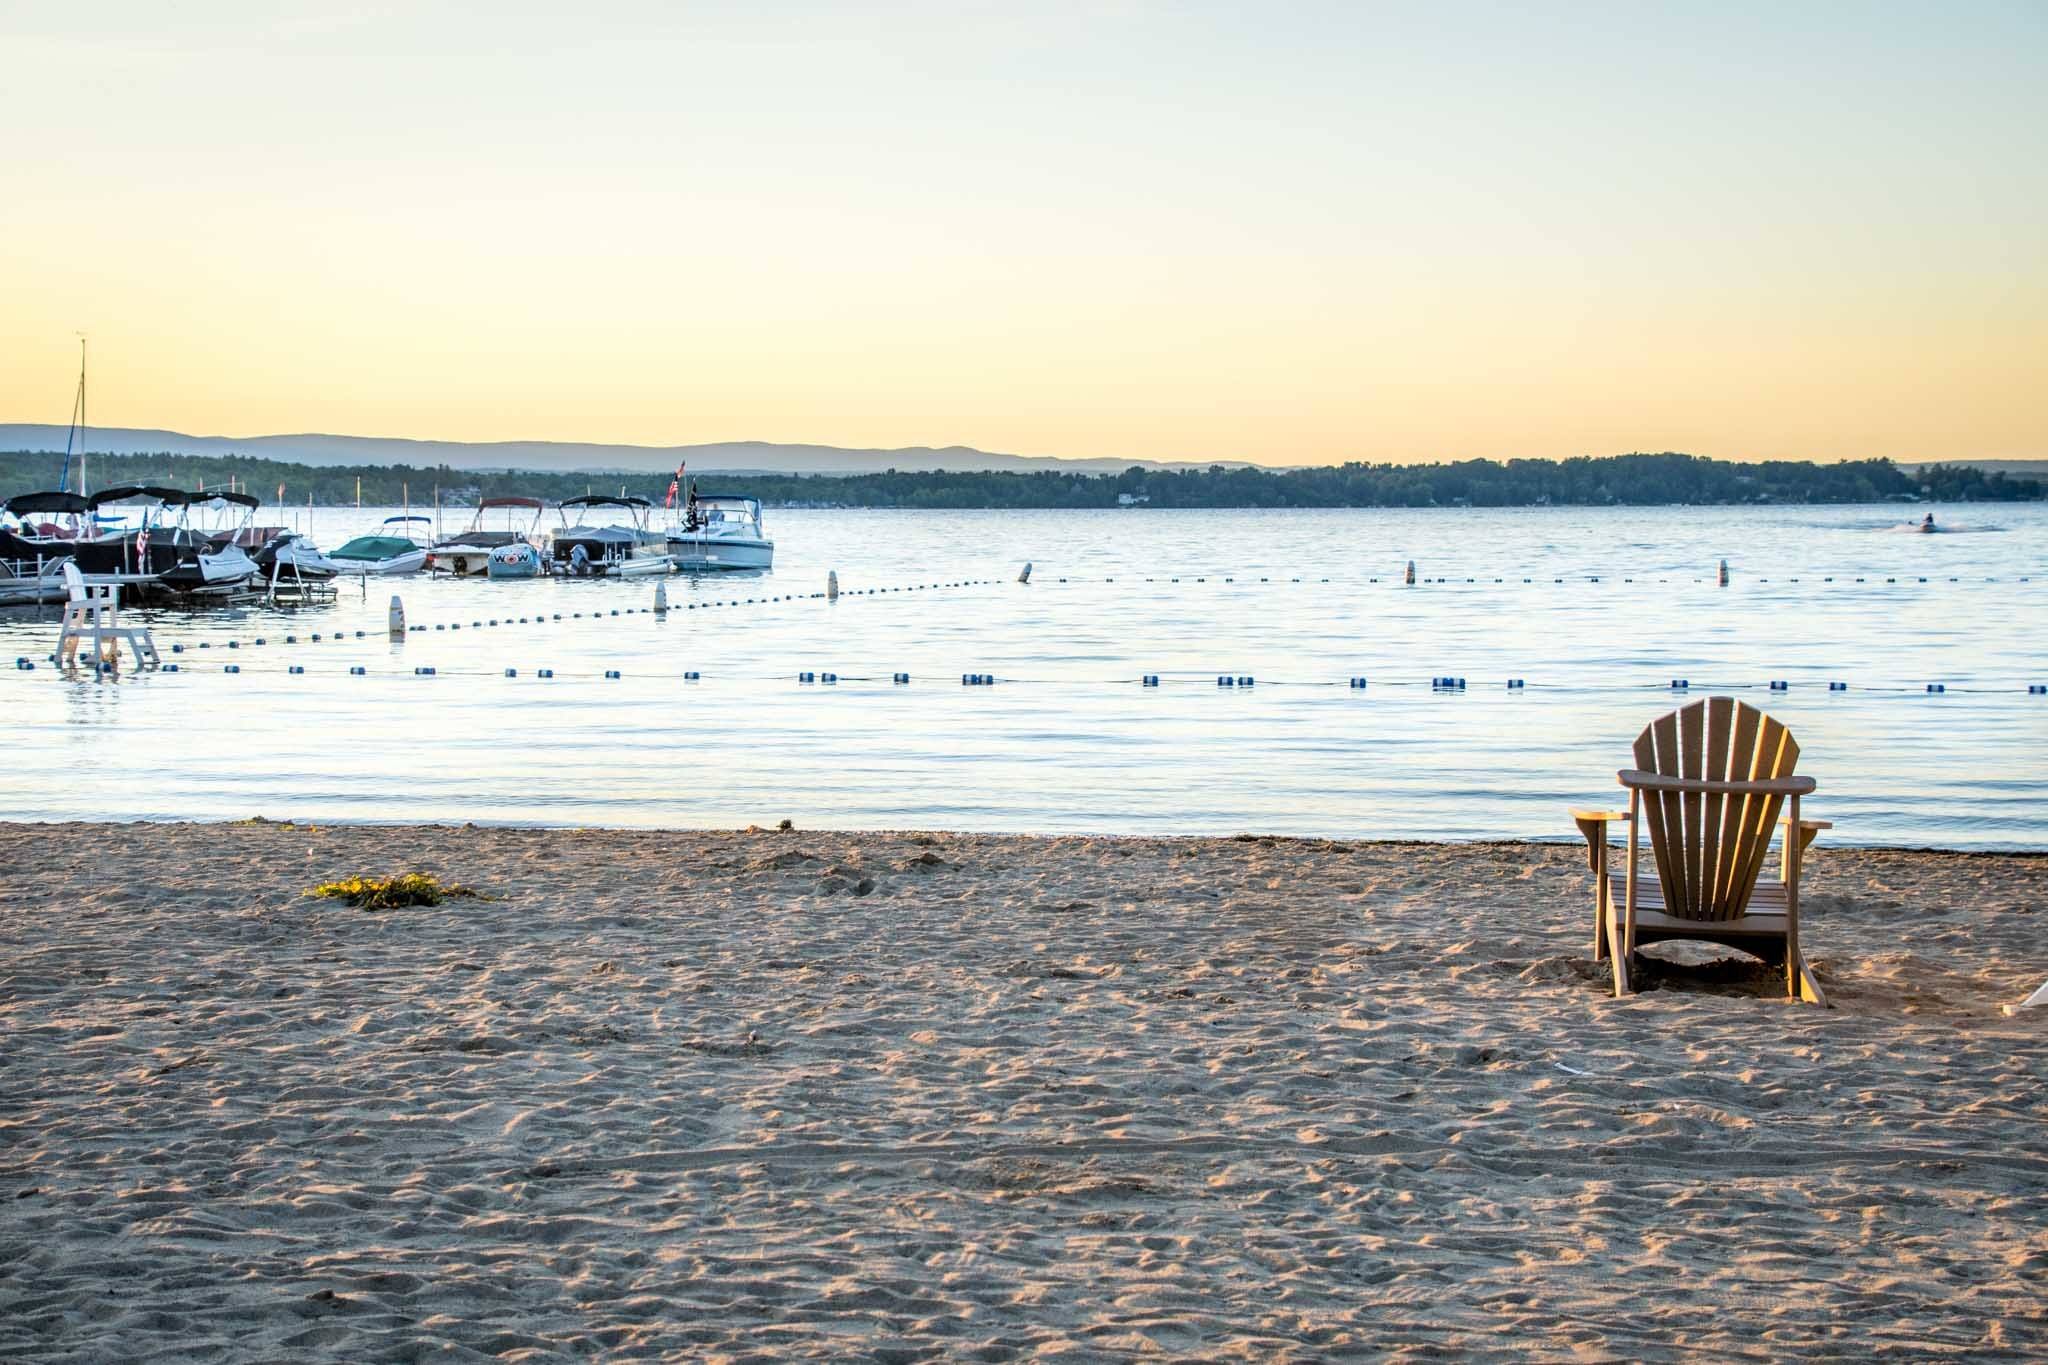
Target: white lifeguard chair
93	611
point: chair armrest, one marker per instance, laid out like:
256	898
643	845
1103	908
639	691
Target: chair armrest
1639	780
1807	830
1593	824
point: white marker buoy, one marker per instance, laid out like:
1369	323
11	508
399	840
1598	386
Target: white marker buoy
661	599
2037	999
396	624
832	585
1025	577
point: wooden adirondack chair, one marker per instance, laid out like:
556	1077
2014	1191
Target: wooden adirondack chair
1709	782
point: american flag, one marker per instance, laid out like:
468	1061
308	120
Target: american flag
675	486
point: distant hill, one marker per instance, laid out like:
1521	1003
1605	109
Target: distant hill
764	457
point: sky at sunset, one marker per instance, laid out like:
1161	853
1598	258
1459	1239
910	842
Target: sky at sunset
1291	233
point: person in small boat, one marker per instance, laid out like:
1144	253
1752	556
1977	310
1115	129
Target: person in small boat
1928	525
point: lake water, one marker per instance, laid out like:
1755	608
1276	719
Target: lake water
1068	739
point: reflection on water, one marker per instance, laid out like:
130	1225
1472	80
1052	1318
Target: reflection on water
1068	739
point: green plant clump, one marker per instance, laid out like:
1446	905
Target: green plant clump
393	893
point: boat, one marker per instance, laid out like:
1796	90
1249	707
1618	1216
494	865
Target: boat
515	561
165	551
209	562
289	555
630	550
389	552
470	552
47	526
721	531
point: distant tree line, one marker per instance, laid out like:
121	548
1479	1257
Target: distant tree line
1630	480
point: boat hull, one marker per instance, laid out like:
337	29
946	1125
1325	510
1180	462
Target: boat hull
410	562
701	553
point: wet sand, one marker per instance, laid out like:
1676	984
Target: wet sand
905	1096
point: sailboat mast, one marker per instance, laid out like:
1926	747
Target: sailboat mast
83	487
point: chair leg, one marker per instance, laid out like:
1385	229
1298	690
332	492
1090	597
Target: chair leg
1618	955
1805	985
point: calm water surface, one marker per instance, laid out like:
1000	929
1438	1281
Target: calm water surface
1067	739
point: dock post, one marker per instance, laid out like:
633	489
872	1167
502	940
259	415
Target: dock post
1724	573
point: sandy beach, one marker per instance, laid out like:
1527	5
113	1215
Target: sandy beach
901	1096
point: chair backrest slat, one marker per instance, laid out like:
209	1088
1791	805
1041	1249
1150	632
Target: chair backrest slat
1692	742
1654	750
1710	848
1720	714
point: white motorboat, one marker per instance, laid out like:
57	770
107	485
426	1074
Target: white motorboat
721	531
627	549
289	555
392	551
469	553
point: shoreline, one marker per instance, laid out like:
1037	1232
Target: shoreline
1573	841
920	1094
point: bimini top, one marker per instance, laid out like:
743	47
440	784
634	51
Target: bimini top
21	504
374	548
414	517
222	495
729	497
603	500
510	502
169	497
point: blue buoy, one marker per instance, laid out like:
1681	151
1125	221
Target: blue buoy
902	678
1779	685
1838	687
828	677
439	626
357	671
1358	683
423	671
359	635
1150	680
1515	684
24	663
1679	684
206	644
1225	680
234	644
511	672
1244	682
168	668
316	639
544	672
494	620
1937	687
237	668
806	677
259	639
2033	689
180	649
691	677
612	673
296	668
